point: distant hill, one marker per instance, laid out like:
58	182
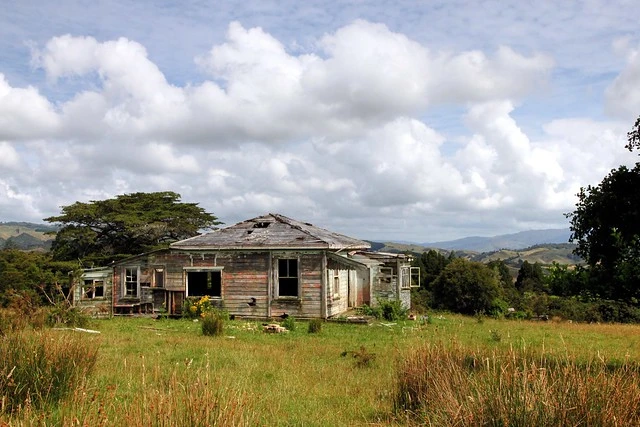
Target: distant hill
542	246
26	235
523	239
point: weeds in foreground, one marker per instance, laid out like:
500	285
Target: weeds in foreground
213	323
289	323
315	326
185	396
363	358
41	367
452	385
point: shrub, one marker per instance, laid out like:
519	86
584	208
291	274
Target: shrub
289	323
213	323
63	314
197	308
366	310
315	326
392	310
41	367
466	287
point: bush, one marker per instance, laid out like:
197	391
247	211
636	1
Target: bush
390	310
289	323
40	367
196	308
366	310
393	310
62	314
466	287
213	323
315	326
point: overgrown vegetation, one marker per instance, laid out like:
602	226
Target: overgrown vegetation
213	323
391	310
315	326
39	368
450	385
289	323
167	373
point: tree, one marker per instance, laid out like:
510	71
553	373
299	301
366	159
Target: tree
467	287
431	263
509	291
33	273
128	224
606	228
530	278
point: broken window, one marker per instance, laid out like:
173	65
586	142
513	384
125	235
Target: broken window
204	283
288	277
93	289
415	277
386	278
131	282
158	278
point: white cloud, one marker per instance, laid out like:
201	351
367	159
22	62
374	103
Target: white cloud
347	134
623	95
24	113
9	158
362	75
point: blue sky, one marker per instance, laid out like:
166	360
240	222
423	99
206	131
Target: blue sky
403	120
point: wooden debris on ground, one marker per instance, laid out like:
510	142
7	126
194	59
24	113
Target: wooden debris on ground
274	328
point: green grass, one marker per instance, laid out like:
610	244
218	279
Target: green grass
152	370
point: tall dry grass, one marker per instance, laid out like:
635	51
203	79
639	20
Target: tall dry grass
447	385
40	367
183	395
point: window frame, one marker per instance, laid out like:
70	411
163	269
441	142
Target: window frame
208	270
125	282
278	277
159	269
89	287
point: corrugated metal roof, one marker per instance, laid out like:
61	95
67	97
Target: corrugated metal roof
271	231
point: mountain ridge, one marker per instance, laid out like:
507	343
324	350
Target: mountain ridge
512	241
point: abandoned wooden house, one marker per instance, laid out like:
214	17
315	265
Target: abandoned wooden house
262	267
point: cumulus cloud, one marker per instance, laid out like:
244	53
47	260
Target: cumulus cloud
361	74
623	95
24	113
339	135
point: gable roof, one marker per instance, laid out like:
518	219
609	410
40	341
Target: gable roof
271	231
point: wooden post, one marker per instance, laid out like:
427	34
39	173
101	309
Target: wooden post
323	289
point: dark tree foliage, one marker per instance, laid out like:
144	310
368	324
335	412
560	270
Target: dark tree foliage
530	278
466	287
33	273
103	230
509	291
633	137
431	263
606	228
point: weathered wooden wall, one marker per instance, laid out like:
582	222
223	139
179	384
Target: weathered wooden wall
249	279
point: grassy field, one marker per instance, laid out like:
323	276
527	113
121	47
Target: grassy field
163	372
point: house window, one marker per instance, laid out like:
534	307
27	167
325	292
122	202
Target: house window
93	289
336	282
158	278
131	282
204	283
386	278
288	277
